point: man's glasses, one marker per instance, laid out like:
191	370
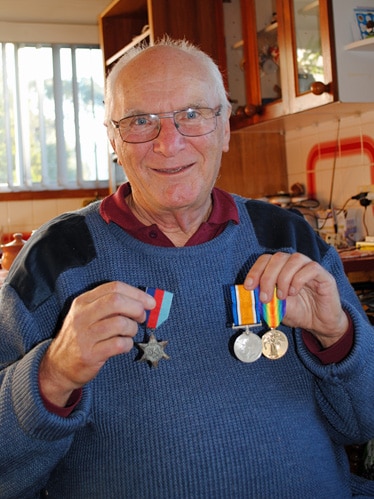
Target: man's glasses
191	122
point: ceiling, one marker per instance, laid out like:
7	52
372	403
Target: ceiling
52	11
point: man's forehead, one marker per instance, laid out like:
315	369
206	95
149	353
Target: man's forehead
162	62
164	93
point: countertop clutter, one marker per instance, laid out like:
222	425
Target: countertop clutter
11	250
359	267
8	252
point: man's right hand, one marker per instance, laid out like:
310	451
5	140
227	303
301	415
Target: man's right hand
100	324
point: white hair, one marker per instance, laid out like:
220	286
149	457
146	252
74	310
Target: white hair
166	41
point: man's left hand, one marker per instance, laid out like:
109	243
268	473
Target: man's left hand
311	294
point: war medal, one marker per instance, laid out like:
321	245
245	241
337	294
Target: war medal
247	346
153	350
274	342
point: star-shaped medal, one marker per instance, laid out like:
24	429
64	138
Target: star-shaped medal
153	351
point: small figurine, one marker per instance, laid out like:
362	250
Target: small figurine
370	28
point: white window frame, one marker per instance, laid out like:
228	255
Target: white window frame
17	171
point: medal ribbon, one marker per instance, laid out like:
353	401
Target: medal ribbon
274	311
244	305
160	313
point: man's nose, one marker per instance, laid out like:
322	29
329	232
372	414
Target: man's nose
169	140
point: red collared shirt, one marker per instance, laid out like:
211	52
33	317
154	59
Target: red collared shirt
115	209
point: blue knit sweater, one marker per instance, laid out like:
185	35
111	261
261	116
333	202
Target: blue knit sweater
202	424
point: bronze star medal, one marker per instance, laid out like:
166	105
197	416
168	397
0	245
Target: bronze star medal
153	351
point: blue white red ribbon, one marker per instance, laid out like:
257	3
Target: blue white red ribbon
158	315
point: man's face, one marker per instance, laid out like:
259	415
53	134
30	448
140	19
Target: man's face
171	171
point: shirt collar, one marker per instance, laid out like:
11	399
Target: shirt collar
114	208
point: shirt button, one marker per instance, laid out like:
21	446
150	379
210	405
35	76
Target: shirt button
153	234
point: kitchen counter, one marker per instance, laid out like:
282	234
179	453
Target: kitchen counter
358	264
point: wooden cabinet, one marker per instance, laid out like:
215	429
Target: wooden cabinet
297	57
127	22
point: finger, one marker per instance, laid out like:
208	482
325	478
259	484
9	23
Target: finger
122	288
265	274
112	336
296	270
313	275
252	279
111	346
112	327
113	299
276	271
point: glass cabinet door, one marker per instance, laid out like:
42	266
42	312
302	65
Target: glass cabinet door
262	21
312	85
286	62
268	51
261	59
308	49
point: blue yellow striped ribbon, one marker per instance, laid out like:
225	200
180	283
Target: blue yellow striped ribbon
244	305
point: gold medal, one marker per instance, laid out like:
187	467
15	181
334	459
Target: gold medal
274	344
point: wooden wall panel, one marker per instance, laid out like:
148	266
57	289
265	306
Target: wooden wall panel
255	165
200	22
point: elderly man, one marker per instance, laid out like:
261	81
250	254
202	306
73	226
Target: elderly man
175	340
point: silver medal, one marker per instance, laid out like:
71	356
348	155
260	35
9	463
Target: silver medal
248	347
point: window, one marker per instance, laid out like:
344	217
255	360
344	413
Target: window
51	118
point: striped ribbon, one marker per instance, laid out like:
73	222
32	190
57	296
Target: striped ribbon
274	311
160	313
244	305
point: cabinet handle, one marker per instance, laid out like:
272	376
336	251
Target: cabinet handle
249	110
319	88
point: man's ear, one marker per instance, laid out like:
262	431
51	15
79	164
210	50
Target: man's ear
113	144
226	133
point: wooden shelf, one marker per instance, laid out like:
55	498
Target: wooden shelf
137	39
328	112
238	44
271	27
119	8
365	45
